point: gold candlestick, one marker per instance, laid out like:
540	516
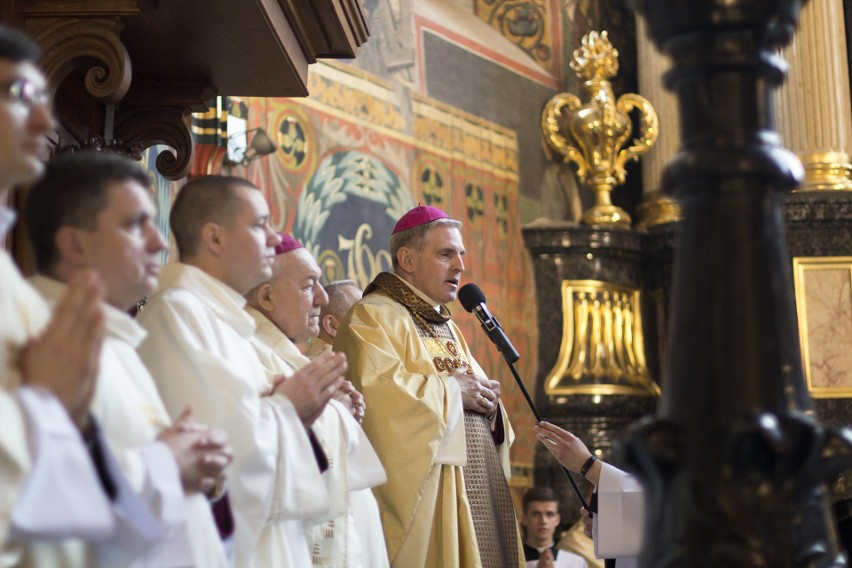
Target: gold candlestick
593	135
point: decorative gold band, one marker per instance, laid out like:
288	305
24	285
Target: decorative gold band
826	171
657	209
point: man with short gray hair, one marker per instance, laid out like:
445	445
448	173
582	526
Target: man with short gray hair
342	294
435	420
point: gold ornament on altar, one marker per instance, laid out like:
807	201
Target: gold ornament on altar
593	135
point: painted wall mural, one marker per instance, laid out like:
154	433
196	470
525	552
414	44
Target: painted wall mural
532	25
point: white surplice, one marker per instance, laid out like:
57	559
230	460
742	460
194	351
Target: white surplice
39	446
199	352
352	536
131	415
49	487
619	525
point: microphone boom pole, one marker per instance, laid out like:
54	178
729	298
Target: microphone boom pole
473	300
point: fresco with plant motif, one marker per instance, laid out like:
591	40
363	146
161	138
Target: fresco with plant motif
532	25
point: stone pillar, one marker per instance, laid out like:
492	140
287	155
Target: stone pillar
656	208
597	355
734	467
814	109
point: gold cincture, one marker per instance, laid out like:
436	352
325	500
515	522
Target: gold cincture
592	135
602	349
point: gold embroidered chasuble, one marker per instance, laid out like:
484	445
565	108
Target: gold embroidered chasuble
316	347
446	503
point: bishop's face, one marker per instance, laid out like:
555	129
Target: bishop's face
297	295
437	267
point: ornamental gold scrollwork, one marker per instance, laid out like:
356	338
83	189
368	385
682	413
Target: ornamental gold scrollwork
603	348
593	135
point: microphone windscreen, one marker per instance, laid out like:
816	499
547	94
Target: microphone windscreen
471	296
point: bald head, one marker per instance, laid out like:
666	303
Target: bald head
203	200
342	294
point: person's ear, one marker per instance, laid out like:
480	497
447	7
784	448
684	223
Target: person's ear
329	325
405	258
70	244
263	294
212	238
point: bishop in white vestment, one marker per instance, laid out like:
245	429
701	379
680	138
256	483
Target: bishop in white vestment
350	536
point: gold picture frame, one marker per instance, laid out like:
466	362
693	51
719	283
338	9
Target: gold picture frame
823	289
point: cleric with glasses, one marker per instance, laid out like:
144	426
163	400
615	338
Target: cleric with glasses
27	93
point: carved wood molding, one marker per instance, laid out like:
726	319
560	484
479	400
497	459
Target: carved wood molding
327	28
77	43
156	124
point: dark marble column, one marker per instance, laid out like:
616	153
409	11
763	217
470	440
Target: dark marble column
596	402
733	466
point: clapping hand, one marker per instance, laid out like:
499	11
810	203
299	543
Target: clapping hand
311	387
201	453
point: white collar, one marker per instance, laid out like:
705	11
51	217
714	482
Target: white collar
118	324
223	300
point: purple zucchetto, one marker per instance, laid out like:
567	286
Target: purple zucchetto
420	215
287	244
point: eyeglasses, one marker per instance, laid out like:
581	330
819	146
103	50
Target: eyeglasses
25	92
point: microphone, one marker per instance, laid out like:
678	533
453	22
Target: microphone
473	300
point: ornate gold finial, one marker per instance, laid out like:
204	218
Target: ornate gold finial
592	135
596	58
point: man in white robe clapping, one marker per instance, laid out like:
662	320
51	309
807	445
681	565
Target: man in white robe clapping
58	480
93	212
200	353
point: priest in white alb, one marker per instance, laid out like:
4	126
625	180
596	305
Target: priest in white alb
57	477
286	309
93	211
342	295
199	352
